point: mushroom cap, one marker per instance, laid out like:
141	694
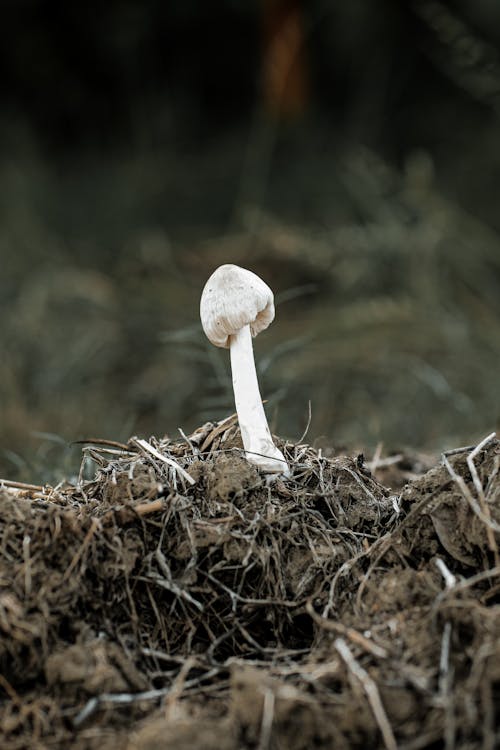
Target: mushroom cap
232	298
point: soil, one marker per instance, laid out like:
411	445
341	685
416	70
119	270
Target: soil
180	599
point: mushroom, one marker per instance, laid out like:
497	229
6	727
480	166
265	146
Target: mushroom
236	305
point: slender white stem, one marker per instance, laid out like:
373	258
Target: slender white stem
257	441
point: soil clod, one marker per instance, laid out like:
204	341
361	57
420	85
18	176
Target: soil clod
188	602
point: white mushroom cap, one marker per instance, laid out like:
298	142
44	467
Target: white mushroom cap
231	299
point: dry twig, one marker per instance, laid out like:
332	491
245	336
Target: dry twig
371	690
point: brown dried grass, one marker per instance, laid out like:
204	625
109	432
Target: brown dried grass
178	599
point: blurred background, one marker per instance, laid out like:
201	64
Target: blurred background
348	152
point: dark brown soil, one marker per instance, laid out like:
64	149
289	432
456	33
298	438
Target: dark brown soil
152	609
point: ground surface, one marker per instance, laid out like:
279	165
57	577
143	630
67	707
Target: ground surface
178	600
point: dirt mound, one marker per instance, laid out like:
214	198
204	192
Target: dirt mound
181	600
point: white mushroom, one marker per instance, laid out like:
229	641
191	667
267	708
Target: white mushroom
236	305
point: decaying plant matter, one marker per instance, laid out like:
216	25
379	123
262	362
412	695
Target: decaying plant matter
180	600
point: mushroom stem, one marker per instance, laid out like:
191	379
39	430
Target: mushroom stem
257	441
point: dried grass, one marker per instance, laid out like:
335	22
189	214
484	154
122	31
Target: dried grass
316	611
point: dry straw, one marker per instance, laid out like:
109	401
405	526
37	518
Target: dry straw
179	577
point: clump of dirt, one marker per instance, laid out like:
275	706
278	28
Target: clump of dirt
182	599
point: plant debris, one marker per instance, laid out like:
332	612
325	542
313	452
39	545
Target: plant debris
180	599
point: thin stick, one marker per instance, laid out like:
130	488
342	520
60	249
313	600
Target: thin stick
309	419
27	564
109	451
471	464
361	484
127	698
383	463
445	678
480	494
21	485
177	688
101	441
267	720
488	521
353	635
476	578
456	451
143	509
149	449
13	695
218	430
195	451
444	660
373	464
95	524
372	693
121	698
449	579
